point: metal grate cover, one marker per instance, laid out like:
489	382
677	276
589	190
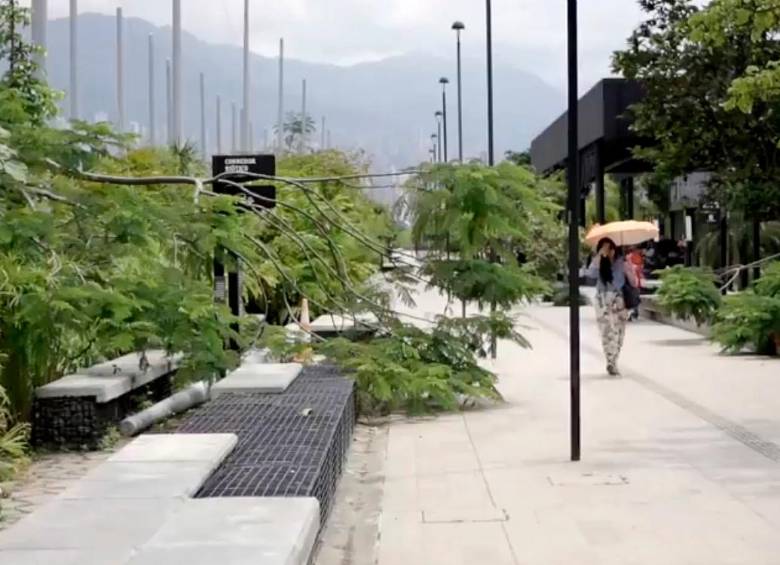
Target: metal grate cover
289	444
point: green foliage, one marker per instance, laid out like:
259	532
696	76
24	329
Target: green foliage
748	319
689	293
561	297
21	82
420	372
752	317
484	282
740	239
13	441
296	130
697	116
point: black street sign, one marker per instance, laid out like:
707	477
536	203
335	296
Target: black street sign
235	165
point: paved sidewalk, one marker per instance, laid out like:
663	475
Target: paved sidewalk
681	463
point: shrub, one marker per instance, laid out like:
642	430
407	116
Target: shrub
418	371
748	319
13	441
689	293
753	317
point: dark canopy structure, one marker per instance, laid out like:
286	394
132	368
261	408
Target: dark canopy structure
605	141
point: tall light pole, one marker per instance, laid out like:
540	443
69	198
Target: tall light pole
245	134
120	70
203	149
280	116
303	116
491	154
234	126
438	116
39	22
489	19
573	168
459	27
74	56
219	125
434	148
169	102
177	74
152	120
444	81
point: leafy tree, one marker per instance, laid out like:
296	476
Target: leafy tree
520	158
297	129
688	77
21	80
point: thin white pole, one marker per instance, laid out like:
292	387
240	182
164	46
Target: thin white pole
265	139
177	73
203	148
234	139
169	101
74	49
219	125
251	146
152	119
280	116
39	21
303	116
120	71
245	137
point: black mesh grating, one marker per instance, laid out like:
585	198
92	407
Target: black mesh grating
281	451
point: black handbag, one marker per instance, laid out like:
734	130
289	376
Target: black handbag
631	296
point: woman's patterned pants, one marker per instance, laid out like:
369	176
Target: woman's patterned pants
611	318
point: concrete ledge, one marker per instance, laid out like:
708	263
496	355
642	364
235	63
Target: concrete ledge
210	448
239	531
336	324
110	380
258	377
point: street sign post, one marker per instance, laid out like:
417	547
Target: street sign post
239	170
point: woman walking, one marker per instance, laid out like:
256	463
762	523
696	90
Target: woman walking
611	272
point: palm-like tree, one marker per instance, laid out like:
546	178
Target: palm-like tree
740	238
297	129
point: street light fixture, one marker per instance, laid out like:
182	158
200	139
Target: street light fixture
459	27
439	115
434	142
444	81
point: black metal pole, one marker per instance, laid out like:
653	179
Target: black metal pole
756	248
444	83
574	233
491	155
458	27
438	138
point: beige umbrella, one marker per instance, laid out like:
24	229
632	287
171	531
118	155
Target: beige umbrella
629	232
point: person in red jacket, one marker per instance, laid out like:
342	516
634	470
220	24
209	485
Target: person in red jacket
636	260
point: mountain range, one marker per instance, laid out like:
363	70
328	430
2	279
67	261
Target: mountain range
385	107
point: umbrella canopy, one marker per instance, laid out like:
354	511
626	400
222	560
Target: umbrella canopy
630	232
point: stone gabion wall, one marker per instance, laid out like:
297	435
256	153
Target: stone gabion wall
81	423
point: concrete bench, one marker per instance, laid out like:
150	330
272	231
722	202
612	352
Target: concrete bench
258	377
77	410
135	509
333	325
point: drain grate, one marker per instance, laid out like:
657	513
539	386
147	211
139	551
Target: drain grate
289	444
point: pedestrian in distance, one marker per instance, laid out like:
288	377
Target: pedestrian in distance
614	276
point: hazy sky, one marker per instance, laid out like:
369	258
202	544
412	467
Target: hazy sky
529	33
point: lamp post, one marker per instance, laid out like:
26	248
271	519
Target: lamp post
458	27
439	115
574	232
489	19
434	144
444	81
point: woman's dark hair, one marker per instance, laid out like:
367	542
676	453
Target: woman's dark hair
605	263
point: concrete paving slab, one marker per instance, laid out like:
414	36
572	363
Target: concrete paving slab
156	479
280	530
116	524
211	448
267	378
112	556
